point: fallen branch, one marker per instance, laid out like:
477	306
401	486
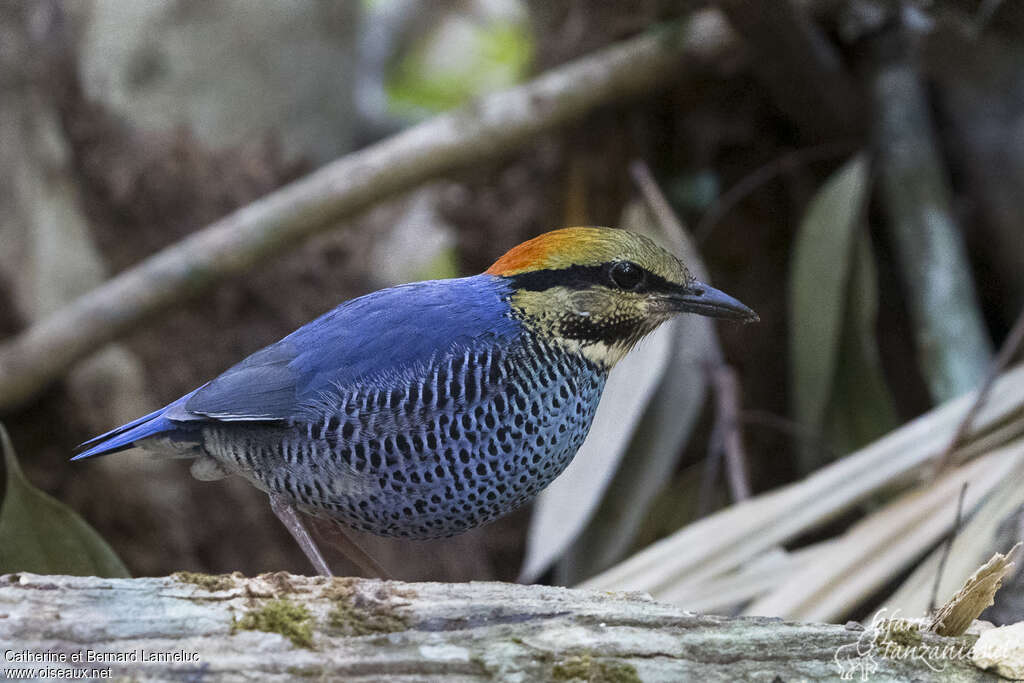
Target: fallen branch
279	626
491	127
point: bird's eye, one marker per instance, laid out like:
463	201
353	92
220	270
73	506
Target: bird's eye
626	275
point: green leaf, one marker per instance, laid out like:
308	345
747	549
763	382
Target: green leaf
42	535
860	408
818	288
821	266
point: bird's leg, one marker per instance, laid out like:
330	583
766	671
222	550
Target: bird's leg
352	550
285	512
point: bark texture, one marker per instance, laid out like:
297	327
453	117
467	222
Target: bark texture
282	627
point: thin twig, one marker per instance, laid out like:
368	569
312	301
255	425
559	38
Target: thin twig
1006	353
655	198
727	435
933	601
727	395
762	175
709	473
763	418
490	127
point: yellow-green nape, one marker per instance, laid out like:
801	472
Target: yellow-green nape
588	246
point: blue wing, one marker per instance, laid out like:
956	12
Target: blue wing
387	332
375	335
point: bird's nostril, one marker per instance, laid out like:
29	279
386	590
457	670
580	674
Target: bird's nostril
698	291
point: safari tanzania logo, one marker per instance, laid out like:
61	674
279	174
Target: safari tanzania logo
890	636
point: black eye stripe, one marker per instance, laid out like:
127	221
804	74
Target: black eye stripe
584	277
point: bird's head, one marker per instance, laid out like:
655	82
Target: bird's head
600	290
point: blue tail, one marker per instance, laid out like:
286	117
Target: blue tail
125	436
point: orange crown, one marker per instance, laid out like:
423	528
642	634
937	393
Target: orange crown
555	249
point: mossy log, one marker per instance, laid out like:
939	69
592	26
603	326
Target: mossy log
282	627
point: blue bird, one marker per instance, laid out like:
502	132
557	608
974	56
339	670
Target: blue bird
427	409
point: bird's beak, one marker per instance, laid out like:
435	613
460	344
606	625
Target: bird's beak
703	299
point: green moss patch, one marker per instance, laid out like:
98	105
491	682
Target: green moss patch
284	617
585	667
210	582
355	616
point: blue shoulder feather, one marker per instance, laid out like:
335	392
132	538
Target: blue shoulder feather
387	332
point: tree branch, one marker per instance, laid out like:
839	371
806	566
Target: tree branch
942	300
279	626
486	129
798	65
